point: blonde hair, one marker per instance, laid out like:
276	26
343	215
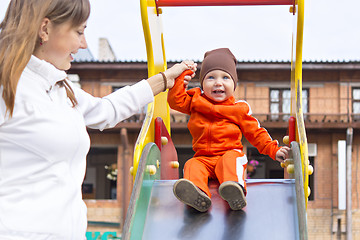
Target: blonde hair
19	37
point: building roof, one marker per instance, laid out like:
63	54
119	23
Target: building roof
256	65
92	60
84	55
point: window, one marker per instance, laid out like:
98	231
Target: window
262	166
101	173
356	103
280	102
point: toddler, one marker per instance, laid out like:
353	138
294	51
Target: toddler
217	123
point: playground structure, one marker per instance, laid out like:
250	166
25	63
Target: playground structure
154	213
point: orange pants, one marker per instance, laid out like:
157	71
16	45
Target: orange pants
229	167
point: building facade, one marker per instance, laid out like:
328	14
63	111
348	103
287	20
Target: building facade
331	106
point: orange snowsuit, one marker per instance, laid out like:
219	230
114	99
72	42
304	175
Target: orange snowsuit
217	129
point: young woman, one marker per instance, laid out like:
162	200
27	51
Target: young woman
43	118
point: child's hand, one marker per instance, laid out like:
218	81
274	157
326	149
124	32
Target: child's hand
186	76
282	154
189	75
192	66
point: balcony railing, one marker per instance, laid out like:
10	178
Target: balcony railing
267	120
322	114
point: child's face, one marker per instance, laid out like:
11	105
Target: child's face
218	85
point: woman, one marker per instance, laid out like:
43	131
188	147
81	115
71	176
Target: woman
43	118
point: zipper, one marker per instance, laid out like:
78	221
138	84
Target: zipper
49	93
209	132
209	136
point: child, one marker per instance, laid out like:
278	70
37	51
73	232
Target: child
217	123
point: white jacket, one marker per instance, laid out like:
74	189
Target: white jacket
43	150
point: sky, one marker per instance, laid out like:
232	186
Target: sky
253	33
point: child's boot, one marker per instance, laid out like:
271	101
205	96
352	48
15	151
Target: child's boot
233	193
191	195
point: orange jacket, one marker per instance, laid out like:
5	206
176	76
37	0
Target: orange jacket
218	127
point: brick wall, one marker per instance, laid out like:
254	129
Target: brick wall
327	224
104	216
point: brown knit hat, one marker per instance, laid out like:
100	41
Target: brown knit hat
219	59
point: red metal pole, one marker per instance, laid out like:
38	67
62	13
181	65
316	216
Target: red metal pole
158	134
178	3
292	134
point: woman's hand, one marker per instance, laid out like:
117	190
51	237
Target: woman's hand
176	70
162	81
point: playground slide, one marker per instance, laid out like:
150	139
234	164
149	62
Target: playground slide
270	205
276	208
155	213
151	12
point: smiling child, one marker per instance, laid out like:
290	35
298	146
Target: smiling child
217	123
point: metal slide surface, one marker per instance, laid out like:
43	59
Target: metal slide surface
270	214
